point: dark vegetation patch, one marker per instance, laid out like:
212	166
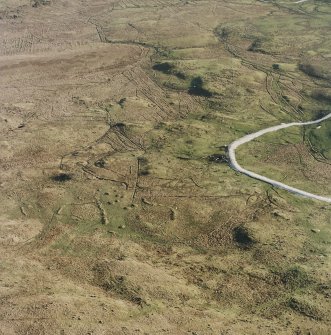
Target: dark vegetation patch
295	278
256	46
168	68
62	177
224	33
272	309
242	237
143	166
311	71
215	104
322	96
320	114
286	98
105	279
276	66
196	88
180	75
120	126
324	289
172	86
37	3
304	308
164	67
160	125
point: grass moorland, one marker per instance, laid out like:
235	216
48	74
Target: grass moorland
119	213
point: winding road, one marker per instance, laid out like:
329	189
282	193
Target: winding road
234	164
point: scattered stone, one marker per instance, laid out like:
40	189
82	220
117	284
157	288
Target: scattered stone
122	226
218	158
281	214
59	211
146	202
104	218
172	214
23	210
100	163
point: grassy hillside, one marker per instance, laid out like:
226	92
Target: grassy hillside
320	139
119	212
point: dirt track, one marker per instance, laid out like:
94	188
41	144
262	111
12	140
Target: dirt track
234	145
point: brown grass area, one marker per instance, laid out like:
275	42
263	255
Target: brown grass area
114	220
